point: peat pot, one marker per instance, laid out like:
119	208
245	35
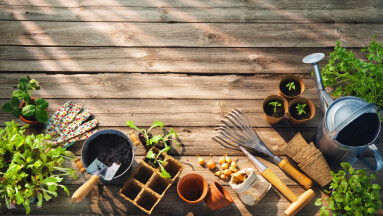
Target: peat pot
350	127
109	145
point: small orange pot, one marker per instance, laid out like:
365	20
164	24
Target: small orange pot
192	188
270	119
301	100
32	123
217	197
296	80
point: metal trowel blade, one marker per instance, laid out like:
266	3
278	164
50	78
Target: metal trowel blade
99	168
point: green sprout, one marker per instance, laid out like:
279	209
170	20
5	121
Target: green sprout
275	104
290	86
301	109
151	155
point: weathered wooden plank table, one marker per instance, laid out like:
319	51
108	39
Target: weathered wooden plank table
185	63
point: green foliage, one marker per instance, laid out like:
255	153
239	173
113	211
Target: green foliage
24	92
349	75
301	109
275	104
156	138
29	167
154	157
290	85
351	193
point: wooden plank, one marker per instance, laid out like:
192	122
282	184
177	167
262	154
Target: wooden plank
187	34
192	113
159	60
266	11
142	86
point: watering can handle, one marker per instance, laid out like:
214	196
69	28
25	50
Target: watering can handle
378	158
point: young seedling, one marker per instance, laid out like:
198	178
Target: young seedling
301	109
275	104
151	155
290	85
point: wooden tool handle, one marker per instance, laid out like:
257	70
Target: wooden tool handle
276	182
300	177
82	191
134	138
79	164
302	201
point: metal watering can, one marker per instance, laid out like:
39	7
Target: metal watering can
350	126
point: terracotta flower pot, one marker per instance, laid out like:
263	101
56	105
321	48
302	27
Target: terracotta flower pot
217	197
192	188
292	106
291	78
270	119
31	122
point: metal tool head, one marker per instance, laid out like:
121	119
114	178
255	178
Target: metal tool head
237	129
99	168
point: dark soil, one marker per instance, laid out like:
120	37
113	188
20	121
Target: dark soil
269	109
294	113
293	92
110	148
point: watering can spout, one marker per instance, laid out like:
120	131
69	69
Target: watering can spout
325	98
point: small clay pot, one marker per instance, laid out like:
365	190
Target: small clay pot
33	123
270	119
217	197
291	78
301	100
192	188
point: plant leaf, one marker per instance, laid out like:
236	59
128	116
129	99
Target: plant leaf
7	107
41	115
18	94
131	125
41	103
15	102
318	202
164	174
17	112
23	81
29	110
151	155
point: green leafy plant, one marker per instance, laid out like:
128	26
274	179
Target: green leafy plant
290	85
150	140
275	104
161	163
348	75
29	167
351	193
25	88
301	109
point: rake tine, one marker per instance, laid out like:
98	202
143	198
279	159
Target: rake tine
228	137
232	125
236	122
247	124
246	120
215	138
230	133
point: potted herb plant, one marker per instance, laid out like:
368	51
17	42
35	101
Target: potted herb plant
346	74
159	141
291	87
301	110
32	110
351	193
29	167
156	160
275	108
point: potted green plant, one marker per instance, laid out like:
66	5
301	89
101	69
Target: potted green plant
291	87
351	193
274	108
29	167
346	74
301	110
156	160
159	141
32	110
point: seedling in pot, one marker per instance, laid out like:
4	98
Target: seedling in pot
290	85
275	104
301	109
32	109
159	141
151	155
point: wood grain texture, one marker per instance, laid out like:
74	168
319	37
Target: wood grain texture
254	11
159	60
187	34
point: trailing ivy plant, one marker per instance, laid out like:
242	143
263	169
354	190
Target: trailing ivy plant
349	75
161	163
25	88
351	193
29	167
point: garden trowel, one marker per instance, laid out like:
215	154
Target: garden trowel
96	168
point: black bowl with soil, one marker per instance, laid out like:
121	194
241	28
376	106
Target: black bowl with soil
109	146
309	111
291	93
268	109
